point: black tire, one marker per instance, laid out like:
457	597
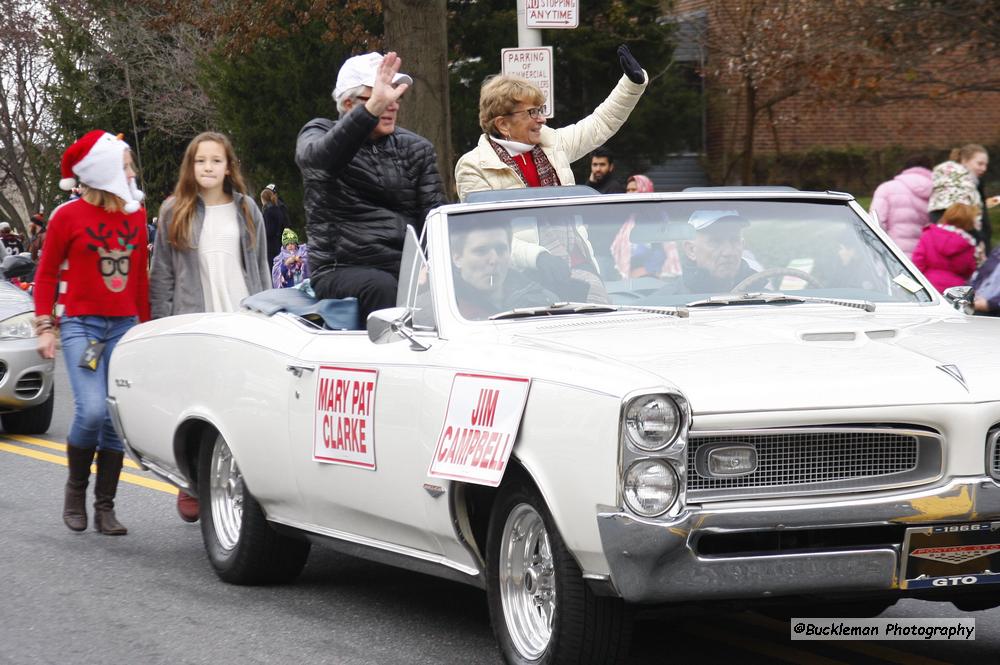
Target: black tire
257	554
35	420
584	628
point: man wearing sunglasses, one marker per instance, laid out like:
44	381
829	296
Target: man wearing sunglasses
364	180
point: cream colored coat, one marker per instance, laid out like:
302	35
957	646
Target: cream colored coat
481	169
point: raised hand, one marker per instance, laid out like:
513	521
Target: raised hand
630	65
384	93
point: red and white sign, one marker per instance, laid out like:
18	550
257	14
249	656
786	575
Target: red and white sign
551	13
344	430
533	65
955	554
480	427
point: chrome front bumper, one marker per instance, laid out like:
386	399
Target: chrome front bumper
25	377
656	562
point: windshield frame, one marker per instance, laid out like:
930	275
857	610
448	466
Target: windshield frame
438	239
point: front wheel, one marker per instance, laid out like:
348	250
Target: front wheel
541	609
34	420
241	545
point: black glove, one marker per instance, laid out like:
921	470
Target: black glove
552	270
630	65
554	275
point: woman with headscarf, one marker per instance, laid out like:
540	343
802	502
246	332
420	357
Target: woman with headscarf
634	260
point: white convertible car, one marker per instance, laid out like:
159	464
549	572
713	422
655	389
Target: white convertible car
586	403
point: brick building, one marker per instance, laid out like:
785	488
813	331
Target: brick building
877	135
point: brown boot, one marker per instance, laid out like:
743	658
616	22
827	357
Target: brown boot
75	502
109	468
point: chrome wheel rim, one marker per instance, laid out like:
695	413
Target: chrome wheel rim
226	495
527	581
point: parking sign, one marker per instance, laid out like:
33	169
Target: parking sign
551	13
535	66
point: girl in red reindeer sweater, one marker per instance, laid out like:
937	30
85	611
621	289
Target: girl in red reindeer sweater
95	258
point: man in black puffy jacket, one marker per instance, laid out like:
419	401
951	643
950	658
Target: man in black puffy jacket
365	180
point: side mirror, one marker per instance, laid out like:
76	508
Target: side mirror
392	325
961	298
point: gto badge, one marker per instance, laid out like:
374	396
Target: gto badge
123	383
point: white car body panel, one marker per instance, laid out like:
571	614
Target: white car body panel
748	368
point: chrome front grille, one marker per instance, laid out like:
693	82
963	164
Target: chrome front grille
817	461
29	385
993	453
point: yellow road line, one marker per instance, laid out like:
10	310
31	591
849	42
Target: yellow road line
773	650
45	443
56	459
867	648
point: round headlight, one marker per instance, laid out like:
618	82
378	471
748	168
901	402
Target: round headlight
650	487
652	421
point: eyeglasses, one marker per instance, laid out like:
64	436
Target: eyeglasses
110	265
534	112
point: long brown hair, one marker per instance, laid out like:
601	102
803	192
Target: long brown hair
966	152
102	199
185	197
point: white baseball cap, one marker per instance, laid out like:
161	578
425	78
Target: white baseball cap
702	219
361	70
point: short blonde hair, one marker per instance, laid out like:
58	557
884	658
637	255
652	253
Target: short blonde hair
500	94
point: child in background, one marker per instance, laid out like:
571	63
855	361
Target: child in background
946	252
291	265
209	252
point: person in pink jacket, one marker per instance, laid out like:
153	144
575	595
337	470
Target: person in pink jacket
901	203
946	253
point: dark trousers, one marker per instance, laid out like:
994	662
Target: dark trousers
374	288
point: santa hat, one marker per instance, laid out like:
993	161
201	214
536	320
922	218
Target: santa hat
96	161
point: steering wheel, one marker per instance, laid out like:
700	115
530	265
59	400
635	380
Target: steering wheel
765	275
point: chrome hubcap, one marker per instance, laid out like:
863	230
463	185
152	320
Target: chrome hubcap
226	495
527	581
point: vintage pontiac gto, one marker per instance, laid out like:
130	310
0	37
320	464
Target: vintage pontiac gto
713	395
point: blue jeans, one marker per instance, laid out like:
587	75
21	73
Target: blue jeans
91	426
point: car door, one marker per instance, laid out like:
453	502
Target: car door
364	422
361	438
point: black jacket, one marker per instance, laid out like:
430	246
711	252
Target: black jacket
610	185
360	194
275	221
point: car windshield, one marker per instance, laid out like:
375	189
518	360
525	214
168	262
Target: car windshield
670	254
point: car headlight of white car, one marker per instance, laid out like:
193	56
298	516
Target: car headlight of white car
652	422
21	325
650	487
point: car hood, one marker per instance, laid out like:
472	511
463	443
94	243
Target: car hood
13	300
794	357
